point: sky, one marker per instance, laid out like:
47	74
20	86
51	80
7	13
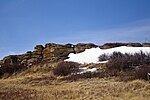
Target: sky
26	23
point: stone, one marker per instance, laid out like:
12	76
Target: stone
37	52
80	47
37	56
47	53
57	50
12	59
69	45
112	45
27	55
134	45
1	62
146	44
39	47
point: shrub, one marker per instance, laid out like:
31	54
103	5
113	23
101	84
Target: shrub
119	61
125	65
65	68
103	57
10	69
142	71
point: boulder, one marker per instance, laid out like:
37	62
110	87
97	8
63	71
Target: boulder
12	59
38	50
37	53
134	45
47	52
57	50
1	62
39	47
146	44
51	52
112	45
27	55
80	47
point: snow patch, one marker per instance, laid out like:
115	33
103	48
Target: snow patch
91	55
85	70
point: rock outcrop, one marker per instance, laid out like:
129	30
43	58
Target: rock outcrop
49	52
54	52
112	45
146	44
80	47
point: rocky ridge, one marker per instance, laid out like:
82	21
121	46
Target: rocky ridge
54	52
48	53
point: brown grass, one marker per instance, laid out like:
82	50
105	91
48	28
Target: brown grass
39	83
93	89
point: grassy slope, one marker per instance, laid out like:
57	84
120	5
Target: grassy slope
39	83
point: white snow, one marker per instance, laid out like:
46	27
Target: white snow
91	55
84	70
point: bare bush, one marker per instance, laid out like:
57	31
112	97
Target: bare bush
10	69
119	63
122	61
142	72
65	68
103	57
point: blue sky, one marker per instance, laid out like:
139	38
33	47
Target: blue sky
25	23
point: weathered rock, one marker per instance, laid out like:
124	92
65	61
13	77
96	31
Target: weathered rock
37	56
39	47
69	45
54	52
134	45
27	55
112	45
51	45
1	62
37	53
146	44
80	47
57	50
51	52
12	59
24	62
32	61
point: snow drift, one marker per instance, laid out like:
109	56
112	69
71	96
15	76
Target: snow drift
91	55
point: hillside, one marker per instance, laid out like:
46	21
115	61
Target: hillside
41	74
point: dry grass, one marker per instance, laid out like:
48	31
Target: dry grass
89	89
39	83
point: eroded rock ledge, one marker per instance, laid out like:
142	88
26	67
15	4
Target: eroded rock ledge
54	52
48	53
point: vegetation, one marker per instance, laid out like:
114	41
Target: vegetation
142	72
137	63
94	89
10	69
66	68
119	79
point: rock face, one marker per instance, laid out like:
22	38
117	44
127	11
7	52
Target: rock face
12	59
54	52
112	45
80	47
146	44
51	52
